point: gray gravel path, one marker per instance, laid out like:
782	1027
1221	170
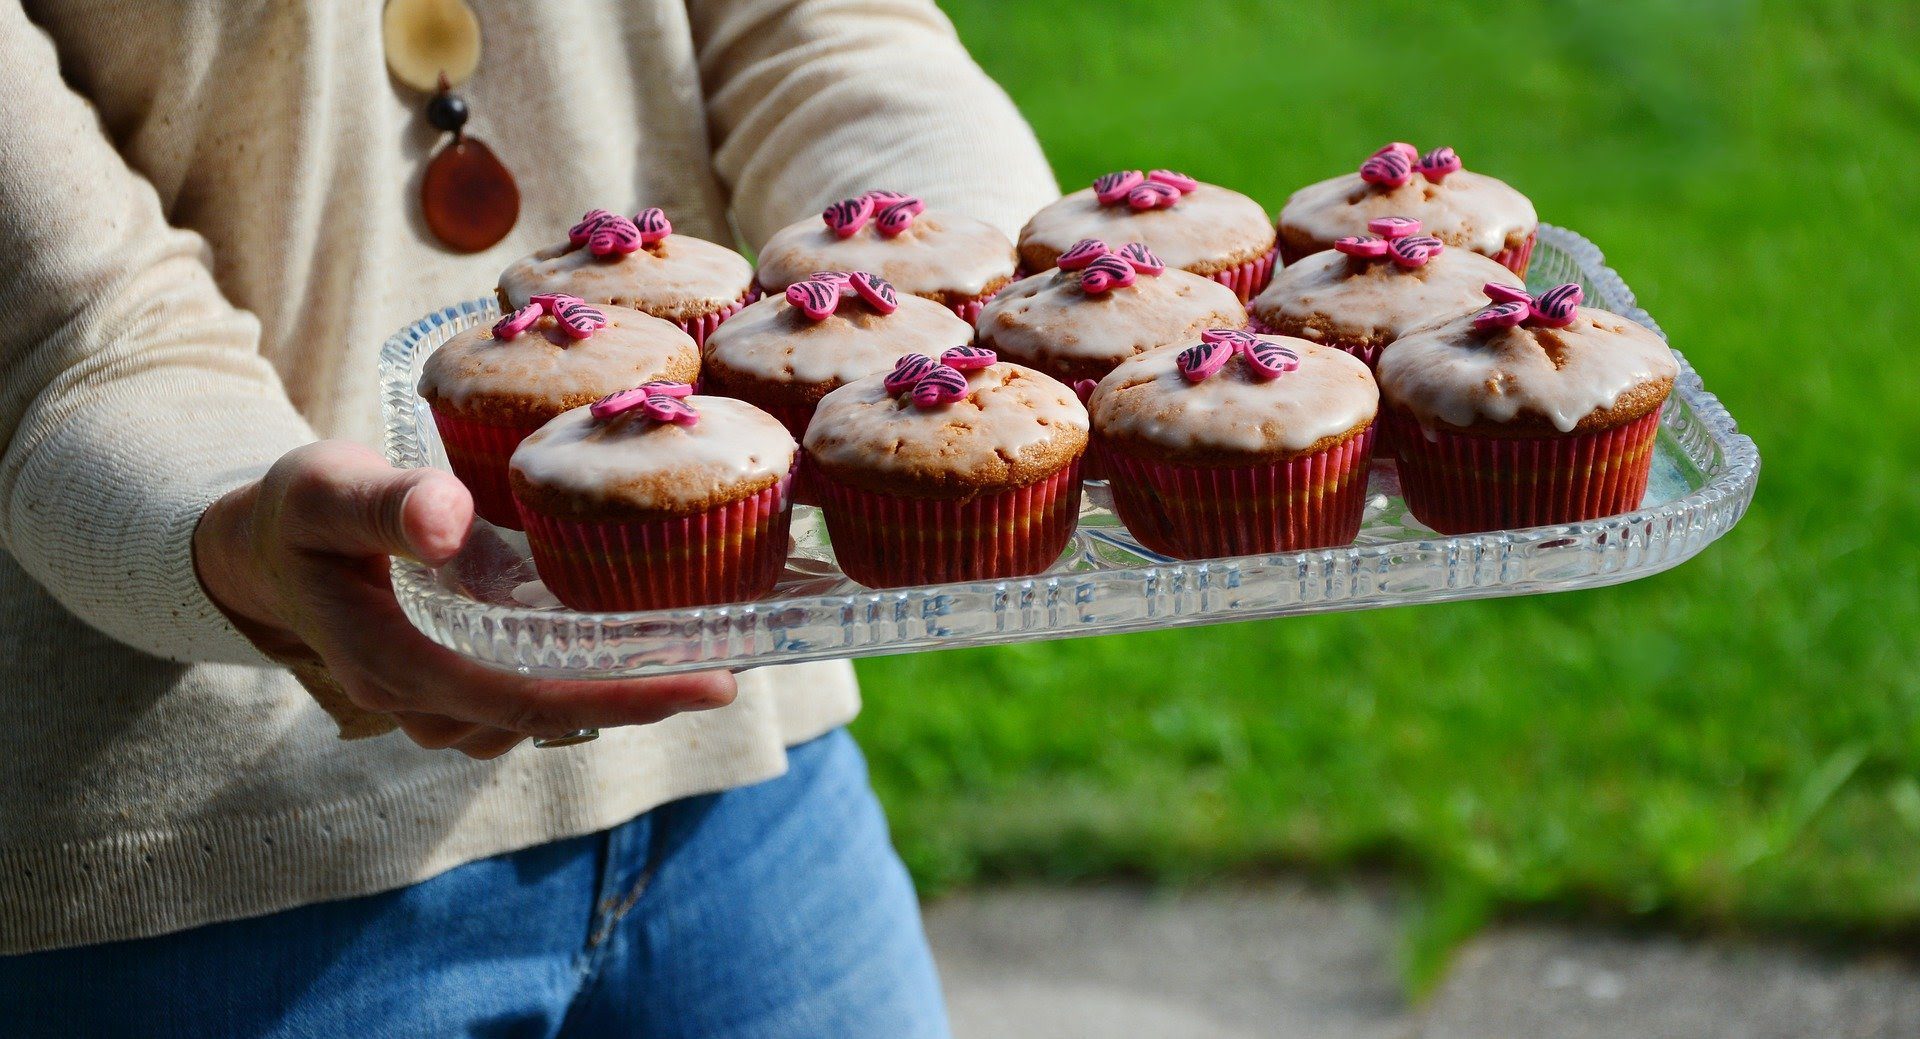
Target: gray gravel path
1288	959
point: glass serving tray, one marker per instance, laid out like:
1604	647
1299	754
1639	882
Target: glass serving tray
488	602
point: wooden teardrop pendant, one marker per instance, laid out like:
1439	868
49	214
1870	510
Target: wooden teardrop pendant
467	195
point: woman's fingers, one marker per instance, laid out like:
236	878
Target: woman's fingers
487	744
433	731
338	498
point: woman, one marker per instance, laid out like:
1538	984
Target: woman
207	224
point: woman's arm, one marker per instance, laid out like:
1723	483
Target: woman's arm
141	429
815	100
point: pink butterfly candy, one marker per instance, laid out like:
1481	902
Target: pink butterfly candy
662	408
1110	188
1083	252
883	198
660	388
842	281
969	358
1365	246
877	291
1506	293
1152	195
1415	251
1270	360
618	403
578	234
576	318
1237	338
1391	227
1174	179
1141	258
1106	274
1401	148
1201	362
847	216
653	225
942	384
1388	169
1438	163
898	216
616	236
907	371
517	322
816	299
1508	314
1555	307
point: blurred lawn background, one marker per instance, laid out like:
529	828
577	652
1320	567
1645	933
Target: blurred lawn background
1732	744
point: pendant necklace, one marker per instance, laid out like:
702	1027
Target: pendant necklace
467	196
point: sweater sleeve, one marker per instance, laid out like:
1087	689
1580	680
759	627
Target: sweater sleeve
814	100
132	394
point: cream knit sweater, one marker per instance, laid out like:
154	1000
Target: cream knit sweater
207	226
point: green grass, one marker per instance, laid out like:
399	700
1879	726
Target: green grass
1732	744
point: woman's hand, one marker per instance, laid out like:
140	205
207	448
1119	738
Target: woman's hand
299	561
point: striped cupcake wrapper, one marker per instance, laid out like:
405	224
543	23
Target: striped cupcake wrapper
479	453
734	553
1458	483
888	541
1248	279
701	327
1200	512
1367	353
1517	260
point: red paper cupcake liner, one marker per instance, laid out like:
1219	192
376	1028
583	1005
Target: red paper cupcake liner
701	327
1248	279
479	452
1517	260
969	309
886	541
730	554
1198	512
1458	483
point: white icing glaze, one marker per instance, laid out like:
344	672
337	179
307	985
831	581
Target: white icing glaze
771	340
1466	209
1377	300
1147	400
545	363
1046	319
1450	373
680	276
940	253
1207	226
652	465
1009	409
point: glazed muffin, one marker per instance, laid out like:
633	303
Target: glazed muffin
785	352
1532	411
963	468
954	260
1238	445
639	264
1195	227
1466	210
490	387
1100	306
653	498
1369	290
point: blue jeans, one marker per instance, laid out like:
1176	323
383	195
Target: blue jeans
769	911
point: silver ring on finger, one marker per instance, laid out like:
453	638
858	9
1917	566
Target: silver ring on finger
570	739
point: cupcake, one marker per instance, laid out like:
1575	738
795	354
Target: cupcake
490	387
1240	445
1532	411
785	352
956	261
640	264
963	468
1100	306
1198	228
652	498
1464	209
1369	290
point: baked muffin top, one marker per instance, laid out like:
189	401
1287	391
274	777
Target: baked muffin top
1529	378
629	465
1458	206
1204	229
1007	426
665	274
1051	320
941	255
772	343
1238	413
543	369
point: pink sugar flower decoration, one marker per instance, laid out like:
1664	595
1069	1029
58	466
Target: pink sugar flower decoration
662	408
1555	307
1266	360
969	358
615	236
846	217
898	216
1391	227
1387	169
941	385
576	318
1152	195
1270	360
1174	179
578	234
1364	246
653	225
1501	315
1141	259
907	372
1106	274
1204	360
1506	293
1438	163
877	291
